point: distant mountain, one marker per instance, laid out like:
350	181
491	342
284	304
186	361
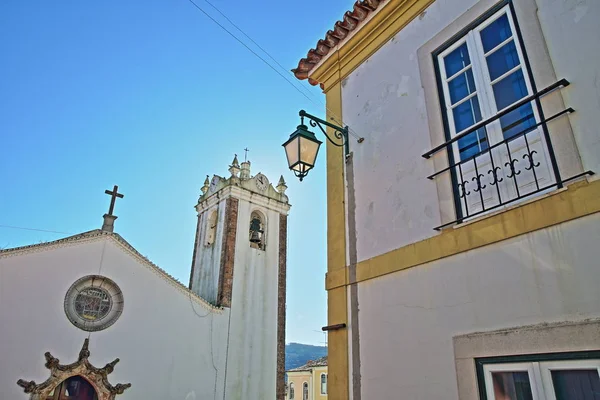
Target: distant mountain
297	354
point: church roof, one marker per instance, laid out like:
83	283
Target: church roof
319	362
98	233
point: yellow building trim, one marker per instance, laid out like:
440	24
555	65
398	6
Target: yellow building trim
337	309
578	200
367	39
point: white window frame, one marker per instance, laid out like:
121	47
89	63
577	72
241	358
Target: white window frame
540	374
325	385
488	108
483	83
307	386
292	391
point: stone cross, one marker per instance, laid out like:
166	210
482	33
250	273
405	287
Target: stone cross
246	150
114	194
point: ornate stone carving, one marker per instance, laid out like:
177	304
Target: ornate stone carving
97	377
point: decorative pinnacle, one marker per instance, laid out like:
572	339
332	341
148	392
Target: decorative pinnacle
206	185
235	162
234	168
281	186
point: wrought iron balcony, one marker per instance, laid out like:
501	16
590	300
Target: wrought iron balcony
500	172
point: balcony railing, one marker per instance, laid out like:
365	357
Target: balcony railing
506	171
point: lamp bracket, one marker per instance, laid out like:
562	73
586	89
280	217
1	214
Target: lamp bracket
340	133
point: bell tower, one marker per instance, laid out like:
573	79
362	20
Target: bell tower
239	263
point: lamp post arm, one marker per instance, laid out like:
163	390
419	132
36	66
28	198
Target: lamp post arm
339	132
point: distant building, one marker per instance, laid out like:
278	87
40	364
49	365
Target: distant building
308	382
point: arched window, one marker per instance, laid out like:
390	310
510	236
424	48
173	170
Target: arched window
323	383
291	391
305	391
211	229
74	388
257	230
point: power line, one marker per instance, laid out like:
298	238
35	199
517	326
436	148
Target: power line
334	116
247	47
34	229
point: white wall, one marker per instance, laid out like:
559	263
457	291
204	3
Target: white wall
253	345
384	101
164	346
411	316
207	266
572	31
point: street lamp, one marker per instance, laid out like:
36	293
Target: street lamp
302	147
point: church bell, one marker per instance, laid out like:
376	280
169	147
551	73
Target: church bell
255	231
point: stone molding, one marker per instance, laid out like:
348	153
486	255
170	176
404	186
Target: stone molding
97	377
242	194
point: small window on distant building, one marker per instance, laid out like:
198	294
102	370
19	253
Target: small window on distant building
323	383
291	391
305	391
257	230
211	229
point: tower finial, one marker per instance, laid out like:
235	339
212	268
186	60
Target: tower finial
206	185
246	150
281	186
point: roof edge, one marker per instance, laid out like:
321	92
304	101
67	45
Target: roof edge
98	234
341	30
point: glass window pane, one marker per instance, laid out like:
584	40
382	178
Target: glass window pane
510	90
465	115
502	60
495	33
457	60
472	144
517	121
511	386
576	385
461	86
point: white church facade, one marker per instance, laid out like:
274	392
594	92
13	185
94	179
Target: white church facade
88	317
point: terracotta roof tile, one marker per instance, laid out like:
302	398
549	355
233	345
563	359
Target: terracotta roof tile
320	362
352	19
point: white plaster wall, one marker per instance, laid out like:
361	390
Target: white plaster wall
571	29
383	101
208	258
411	316
253	340
167	351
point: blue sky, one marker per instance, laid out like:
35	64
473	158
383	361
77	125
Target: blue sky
153	96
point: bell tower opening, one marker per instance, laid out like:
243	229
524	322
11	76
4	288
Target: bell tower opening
257	230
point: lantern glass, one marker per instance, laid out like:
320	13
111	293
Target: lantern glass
291	151
308	150
301	150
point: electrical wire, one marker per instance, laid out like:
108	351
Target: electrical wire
34	229
332	115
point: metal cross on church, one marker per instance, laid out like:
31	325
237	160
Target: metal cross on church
114	194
